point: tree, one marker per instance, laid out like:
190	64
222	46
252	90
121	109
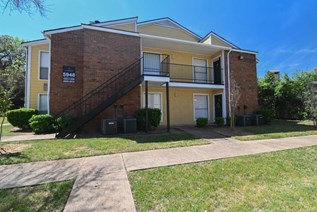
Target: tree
5	104
266	91
311	101
234	99
12	62
28	6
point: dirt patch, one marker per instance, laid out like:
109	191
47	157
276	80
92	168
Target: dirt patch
75	150
231	132
13	148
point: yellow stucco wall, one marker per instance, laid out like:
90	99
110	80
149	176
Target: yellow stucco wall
185	72
157	30
218	42
182	104
208	40
36	85
126	27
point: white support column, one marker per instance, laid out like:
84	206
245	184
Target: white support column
224	103
28	78
49	77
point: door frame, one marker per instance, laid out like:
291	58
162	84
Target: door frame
212	65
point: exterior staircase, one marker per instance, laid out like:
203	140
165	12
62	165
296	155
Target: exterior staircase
97	100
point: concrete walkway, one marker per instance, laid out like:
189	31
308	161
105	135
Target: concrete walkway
27	137
102	183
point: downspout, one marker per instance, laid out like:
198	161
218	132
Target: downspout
49	76
228	75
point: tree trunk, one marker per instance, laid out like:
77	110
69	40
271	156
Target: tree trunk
1	126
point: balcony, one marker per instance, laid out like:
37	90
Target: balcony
180	73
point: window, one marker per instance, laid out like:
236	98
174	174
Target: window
154	101
42	103
152	64
200	70
201	106
44	64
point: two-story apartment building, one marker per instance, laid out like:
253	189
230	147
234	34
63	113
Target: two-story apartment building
113	68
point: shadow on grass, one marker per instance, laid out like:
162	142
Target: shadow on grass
276	126
149	137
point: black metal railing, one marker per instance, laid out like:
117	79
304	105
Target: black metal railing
194	74
104	91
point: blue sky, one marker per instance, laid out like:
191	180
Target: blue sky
284	32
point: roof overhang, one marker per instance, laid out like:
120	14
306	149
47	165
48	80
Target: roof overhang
117	22
157	42
35	42
84	26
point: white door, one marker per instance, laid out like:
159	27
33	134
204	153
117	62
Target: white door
201	106
152	64
200	70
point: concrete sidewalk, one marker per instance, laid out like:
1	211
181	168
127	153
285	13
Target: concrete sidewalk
102	183
27	137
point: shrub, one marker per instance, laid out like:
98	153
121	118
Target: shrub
154	116
20	117
63	121
201	122
42	123
220	121
228	120
267	114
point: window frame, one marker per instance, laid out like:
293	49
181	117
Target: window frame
39	101
161	102
39	65
208	105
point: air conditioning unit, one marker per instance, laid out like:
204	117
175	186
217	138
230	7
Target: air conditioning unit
129	125
109	126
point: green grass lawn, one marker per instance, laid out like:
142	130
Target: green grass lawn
46	197
278	129
279	181
71	148
6	129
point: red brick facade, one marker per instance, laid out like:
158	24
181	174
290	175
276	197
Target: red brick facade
243	71
97	56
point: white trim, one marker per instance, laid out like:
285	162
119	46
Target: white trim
50	32
223	40
244	51
38	99
208	103
195	85
49	79
39	65
156	79
229	89
224	100
28	80
193	67
150	52
168	19
34	43
117	22
161	102
184	41
117	31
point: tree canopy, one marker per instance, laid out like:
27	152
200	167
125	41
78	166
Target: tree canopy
286	96
28	6
12	63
